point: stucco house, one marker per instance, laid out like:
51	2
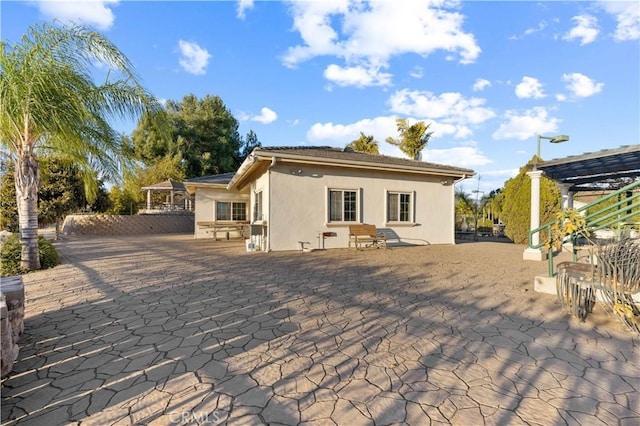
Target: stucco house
289	197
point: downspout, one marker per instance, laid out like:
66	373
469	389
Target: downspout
274	160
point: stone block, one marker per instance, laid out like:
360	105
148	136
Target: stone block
12	289
8	348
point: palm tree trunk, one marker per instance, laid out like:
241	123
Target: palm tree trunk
27	179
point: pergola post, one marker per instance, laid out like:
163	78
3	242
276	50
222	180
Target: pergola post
534	253
148	199
567	196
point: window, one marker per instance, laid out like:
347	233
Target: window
257	206
231	210
343	205
399	207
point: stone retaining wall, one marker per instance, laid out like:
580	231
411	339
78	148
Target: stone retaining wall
102	224
11	321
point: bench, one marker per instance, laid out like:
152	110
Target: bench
367	235
215	227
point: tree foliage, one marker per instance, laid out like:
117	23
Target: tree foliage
201	132
365	143
515	202
50	100
8	203
250	143
413	138
61	190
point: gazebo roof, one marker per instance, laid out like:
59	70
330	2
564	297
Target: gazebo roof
167	185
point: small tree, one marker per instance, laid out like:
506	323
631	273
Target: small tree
364	143
50	99
515	202
413	138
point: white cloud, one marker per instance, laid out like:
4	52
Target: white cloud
627	15
357	76
532	30
527	125
95	13
194	59
453	111
581	86
243	6
417	72
586	29
481	84
529	87
462	156
369	34
266	116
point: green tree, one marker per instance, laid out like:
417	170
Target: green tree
101	204
250	143
49	99
465	209
122	202
413	138
515	202
8	202
365	143
61	190
202	132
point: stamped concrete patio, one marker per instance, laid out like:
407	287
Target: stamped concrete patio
171	330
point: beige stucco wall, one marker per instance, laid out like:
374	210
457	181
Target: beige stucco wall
206	198
296	205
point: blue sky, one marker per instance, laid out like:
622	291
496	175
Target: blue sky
489	76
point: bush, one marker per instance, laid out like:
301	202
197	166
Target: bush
10	255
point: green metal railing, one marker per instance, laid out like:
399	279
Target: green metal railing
599	217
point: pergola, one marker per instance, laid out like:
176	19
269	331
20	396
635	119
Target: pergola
608	169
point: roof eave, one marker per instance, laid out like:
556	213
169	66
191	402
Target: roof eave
302	159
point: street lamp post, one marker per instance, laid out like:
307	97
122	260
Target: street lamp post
531	253
475	213
552	139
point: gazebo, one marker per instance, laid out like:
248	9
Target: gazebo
173	190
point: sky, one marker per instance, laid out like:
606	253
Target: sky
488	76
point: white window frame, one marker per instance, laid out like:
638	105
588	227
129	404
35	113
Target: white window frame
411	219
232	203
258	206
357	192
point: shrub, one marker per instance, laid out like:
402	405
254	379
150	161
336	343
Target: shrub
10	255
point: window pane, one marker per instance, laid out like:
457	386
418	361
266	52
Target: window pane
240	211
392	207
335	206
350	206
223	210
257	208
405	205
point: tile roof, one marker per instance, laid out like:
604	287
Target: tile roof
326	152
166	185
220	179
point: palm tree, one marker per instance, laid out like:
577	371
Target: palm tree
365	143
413	138
50	102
